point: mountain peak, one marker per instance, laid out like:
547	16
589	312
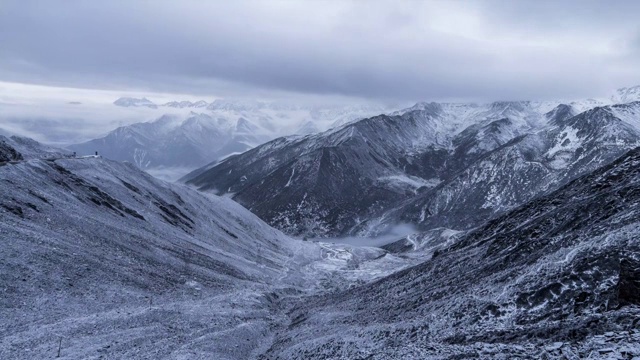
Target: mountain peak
134	102
560	114
237	105
626	95
513	105
426	106
186	104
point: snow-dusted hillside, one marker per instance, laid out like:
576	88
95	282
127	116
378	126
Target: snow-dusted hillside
104	260
556	278
31	149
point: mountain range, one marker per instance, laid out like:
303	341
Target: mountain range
431	165
180	142
133	102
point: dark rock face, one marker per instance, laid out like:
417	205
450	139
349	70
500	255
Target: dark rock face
419	167
8	153
558	275
629	283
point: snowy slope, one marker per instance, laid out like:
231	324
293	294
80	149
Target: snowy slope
31	149
105	260
113	261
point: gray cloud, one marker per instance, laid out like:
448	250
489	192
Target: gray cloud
375	49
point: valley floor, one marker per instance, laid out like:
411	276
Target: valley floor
248	320
193	322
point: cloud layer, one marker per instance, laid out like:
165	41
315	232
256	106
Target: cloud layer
394	50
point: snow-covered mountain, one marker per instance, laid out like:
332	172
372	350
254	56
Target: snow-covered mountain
523	168
431	165
171	141
187	104
626	95
133	102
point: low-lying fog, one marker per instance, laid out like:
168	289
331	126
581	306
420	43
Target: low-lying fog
394	234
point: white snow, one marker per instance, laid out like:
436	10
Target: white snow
566	141
403	180
293	172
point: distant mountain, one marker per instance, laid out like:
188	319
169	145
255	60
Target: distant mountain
187	104
177	143
133	102
626	95
170	141
242	105
432	165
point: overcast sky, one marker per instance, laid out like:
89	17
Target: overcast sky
377	50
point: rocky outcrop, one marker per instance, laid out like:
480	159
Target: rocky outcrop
8	153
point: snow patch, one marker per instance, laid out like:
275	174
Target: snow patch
403	180
293	172
568	140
